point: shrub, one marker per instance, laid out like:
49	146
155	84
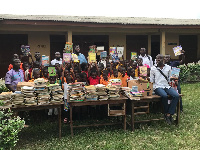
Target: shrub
9	128
3	88
190	72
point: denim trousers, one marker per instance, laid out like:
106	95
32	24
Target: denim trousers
164	92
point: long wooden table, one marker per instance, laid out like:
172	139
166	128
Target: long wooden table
72	104
38	107
148	99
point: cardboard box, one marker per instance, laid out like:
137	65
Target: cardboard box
147	87
21	84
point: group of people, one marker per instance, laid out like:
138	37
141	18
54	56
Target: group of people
100	73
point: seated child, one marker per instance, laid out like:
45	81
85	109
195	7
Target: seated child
104	78
45	73
124	77
36	74
83	77
93	75
84	68
115	75
132	74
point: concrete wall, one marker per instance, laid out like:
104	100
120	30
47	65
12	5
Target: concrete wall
39	41
171	38
118	39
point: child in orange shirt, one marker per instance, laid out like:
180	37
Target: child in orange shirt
124	77
104	78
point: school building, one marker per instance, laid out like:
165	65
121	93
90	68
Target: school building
48	34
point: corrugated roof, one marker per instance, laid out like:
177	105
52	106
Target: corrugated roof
105	20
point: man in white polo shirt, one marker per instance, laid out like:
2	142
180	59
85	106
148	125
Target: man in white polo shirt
147	59
160	76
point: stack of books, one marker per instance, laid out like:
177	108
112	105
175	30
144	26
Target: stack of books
5	97
41	91
17	98
29	95
56	93
91	94
101	91
113	91
76	91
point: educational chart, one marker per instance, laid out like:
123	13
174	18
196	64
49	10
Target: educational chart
52	71
113	50
177	50
133	55
143	71
67	57
175	72
120	51
25	49
45	60
68	47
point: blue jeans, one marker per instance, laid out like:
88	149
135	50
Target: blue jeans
168	109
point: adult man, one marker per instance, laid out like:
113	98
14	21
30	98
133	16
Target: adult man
57	59
14	76
167	60
160	76
81	57
147	59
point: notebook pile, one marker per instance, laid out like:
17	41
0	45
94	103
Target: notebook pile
17	98
91	94
41	91
29	95
101	91
5	97
56	93
76	91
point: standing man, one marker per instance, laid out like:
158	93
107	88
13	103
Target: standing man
160	76
147	59
14	76
167	60
57	59
81	57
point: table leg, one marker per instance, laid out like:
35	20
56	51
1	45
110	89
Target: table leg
59	121
178	112
125	117
71	123
132	116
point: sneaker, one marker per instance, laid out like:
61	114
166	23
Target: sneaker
168	119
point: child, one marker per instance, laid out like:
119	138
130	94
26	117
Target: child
45	73
83	77
132	74
36	74
93	75
26	71
104	78
115	75
84	68
124	77
100	67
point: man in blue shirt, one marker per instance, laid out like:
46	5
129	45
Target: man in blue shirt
81	57
168	61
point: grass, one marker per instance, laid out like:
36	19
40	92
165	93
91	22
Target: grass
156	135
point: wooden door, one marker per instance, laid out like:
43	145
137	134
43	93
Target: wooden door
134	43
10	44
189	44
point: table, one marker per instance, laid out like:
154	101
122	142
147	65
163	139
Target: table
148	99
72	104
38	107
